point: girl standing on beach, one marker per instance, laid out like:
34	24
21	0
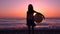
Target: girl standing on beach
30	18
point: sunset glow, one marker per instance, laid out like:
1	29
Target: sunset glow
18	8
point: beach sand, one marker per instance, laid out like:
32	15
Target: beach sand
25	31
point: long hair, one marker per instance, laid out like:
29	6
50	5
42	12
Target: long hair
30	7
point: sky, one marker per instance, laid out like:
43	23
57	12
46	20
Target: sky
18	8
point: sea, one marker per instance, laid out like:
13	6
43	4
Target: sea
19	23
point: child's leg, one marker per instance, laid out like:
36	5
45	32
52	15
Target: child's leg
33	29
29	29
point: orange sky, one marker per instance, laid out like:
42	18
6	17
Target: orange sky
18	8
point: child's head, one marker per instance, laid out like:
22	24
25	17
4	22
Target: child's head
30	7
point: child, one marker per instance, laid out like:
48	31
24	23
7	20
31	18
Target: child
30	18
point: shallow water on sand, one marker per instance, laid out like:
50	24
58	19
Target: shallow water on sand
49	23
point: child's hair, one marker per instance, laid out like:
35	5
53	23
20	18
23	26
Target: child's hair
30	7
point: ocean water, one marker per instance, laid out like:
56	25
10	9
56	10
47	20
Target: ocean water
17	23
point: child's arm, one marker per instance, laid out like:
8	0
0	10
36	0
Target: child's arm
36	12
40	13
43	15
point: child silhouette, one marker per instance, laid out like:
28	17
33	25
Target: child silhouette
30	19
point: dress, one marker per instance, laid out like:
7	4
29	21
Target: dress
30	18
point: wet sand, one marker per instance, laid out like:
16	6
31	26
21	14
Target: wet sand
25	31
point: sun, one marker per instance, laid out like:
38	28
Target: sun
34	14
